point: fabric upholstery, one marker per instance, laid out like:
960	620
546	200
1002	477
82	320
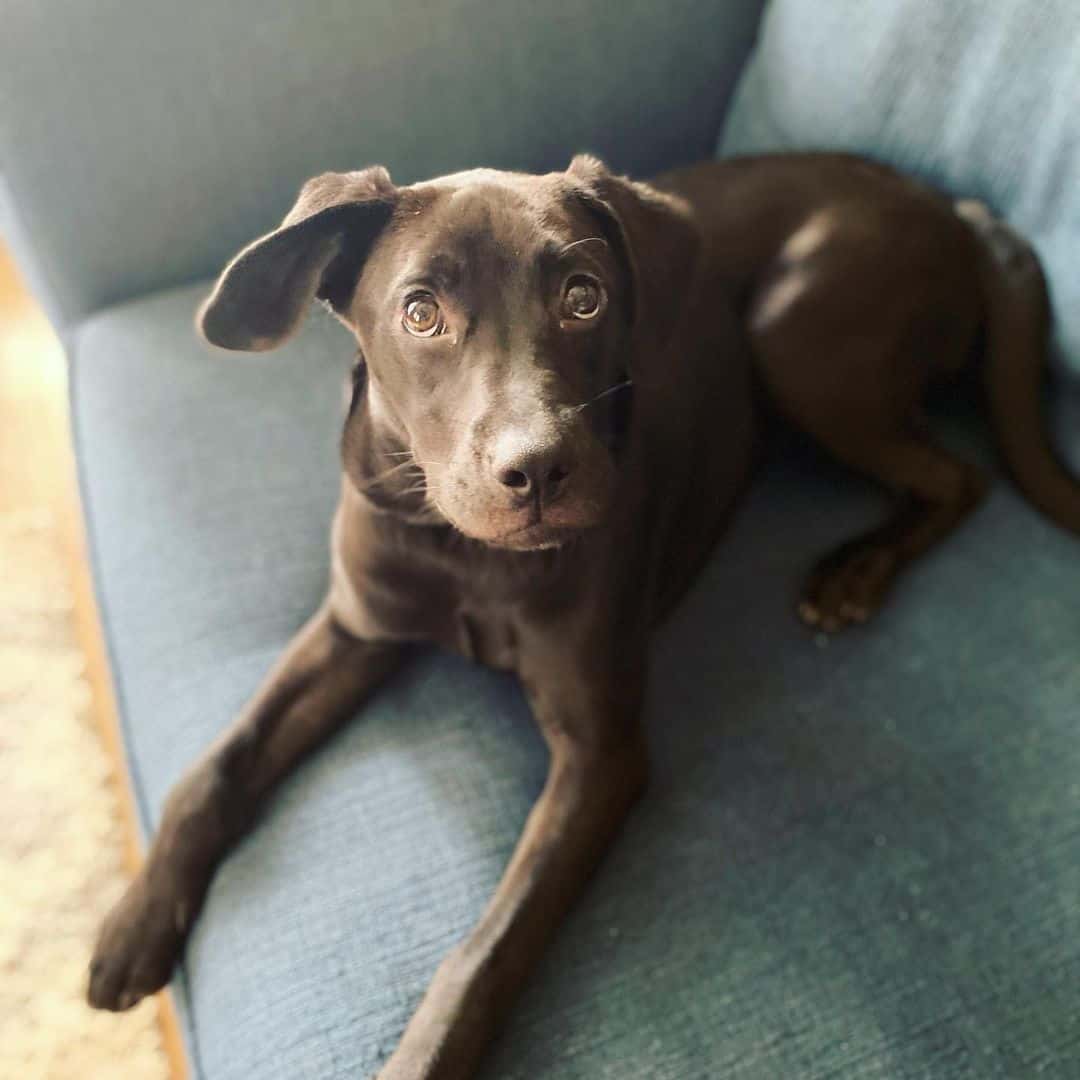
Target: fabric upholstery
978	96
858	859
141	144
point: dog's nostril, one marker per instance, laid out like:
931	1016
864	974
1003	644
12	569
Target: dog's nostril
532	476
514	478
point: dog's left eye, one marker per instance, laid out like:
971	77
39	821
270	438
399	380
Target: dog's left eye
422	316
582	298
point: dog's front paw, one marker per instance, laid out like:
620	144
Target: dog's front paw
848	586
137	948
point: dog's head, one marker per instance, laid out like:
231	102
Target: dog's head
500	318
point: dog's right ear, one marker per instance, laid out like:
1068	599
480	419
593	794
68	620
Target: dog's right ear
319	250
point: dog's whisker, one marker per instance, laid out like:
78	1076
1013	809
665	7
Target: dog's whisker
416	460
604	393
379	478
392	471
410	470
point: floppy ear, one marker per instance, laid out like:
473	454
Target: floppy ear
658	240
319	250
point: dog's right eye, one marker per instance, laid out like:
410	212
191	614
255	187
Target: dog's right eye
583	298
422	316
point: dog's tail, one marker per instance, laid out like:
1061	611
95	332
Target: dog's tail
1017	330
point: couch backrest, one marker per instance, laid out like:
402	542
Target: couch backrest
141	143
982	97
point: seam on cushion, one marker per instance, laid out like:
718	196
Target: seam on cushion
742	68
135	780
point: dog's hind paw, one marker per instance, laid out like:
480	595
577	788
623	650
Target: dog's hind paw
847	587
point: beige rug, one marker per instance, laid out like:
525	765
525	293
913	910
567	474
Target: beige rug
61	841
61	837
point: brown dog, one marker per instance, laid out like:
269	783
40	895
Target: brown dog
553	413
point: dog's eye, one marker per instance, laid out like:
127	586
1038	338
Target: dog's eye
582	298
422	317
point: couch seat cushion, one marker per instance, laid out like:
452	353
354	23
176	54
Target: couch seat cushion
858	858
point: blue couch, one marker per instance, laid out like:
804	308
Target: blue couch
860	857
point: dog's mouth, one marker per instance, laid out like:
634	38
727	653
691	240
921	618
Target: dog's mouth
537	536
527	530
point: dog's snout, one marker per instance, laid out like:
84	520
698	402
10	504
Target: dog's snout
532	471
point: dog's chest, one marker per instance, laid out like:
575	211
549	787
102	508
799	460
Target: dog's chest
488	603
486	637
403	583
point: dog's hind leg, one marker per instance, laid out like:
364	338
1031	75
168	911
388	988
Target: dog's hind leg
860	403
860	399
848	329
935	492
317	685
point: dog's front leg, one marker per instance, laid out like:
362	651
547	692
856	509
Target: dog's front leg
597	771
315	686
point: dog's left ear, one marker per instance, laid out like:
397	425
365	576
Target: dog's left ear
318	251
657	238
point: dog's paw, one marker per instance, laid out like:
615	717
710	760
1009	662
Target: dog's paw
137	948
847	587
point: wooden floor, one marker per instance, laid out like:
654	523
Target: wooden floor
32	398
37	476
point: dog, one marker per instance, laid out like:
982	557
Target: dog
563	385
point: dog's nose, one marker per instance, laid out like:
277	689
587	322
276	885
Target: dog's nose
541	473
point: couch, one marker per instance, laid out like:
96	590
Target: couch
859	856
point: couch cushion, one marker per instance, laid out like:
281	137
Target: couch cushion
859	858
141	144
978	96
